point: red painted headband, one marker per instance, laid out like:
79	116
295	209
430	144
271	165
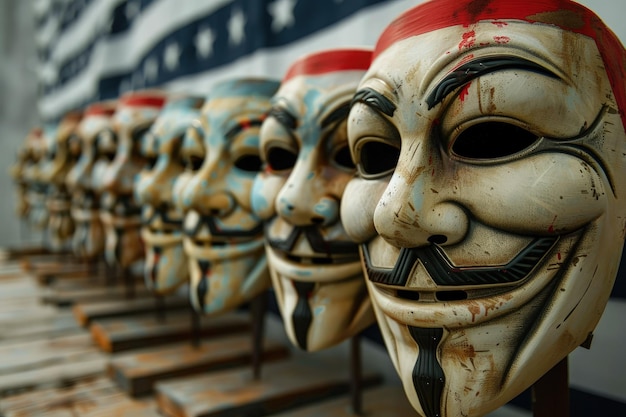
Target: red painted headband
330	61
142	100
565	14
99	109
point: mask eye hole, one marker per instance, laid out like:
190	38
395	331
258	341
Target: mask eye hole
249	163
193	162
280	159
378	158
150	162
492	140
343	158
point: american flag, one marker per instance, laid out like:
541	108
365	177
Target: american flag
90	50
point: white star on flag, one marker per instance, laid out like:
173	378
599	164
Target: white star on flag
236	25
172	54
282	14
204	42
151	69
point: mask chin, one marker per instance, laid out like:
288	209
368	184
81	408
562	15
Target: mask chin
322	305
124	245
165	268
226	276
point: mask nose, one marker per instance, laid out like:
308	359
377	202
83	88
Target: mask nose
303	200
413	213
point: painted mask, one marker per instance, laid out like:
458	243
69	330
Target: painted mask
26	158
489	136
223	238
166	265
120	213
315	267
63	150
88	239
36	188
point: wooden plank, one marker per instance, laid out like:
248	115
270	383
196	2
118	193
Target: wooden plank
130	409
58	374
385	401
284	385
11	269
61	323
20	287
32	355
117	335
38	401
86	312
90	397
137	373
97	292
11	253
19	314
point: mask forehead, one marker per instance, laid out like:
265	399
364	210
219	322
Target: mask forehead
565	14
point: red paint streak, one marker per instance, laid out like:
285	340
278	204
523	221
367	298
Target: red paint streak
500	24
99	109
469	39
474	310
464	91
502	39
330	61
465	59
551	227
142	100
245	123
558	256
434	15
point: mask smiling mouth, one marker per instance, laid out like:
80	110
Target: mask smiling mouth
159	220
456	282
323	252
218	236
123	206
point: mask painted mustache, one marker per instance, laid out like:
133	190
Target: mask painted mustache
443	272
316	241
217	231
162	213
123	206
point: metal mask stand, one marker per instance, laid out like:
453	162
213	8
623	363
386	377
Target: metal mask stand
550	394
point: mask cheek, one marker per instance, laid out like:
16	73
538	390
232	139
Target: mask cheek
358	204
264	191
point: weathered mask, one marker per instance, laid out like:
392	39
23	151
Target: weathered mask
166	265
223	238
489	136
63	150
36	189
88	240
25	160
120	213
315	267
